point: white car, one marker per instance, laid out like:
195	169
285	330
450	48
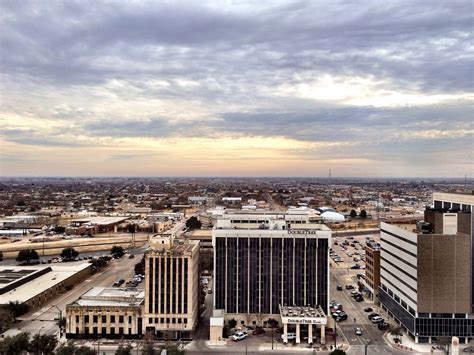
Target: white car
358	331
239	336
290	336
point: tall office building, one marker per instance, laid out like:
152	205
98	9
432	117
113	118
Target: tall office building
171	288
444	201
426	275
265	261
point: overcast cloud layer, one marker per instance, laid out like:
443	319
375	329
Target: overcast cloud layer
221	88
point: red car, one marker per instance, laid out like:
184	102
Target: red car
258	331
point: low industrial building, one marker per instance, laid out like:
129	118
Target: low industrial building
35	285
106	312
95	225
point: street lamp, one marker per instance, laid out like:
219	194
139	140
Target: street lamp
60	319
367	345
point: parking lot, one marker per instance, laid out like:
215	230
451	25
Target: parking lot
342	275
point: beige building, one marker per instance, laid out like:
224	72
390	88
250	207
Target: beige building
425	275
171	287
106	313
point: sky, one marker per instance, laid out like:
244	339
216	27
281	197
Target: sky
231	88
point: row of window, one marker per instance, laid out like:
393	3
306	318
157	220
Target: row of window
103	331
95	319
168	320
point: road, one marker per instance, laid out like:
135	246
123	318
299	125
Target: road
43	320
342	275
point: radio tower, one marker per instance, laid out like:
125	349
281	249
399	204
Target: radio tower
330	176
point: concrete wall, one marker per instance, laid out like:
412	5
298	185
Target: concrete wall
444	273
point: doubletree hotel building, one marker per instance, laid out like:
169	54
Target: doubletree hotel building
265	261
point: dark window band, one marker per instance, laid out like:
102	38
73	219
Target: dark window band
401	281
398	237
398	258
397	246
401	270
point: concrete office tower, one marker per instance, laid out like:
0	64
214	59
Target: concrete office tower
426	275
266	260
459	202
171	288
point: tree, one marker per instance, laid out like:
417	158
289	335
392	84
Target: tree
27	255
396	332
43	344
444	342
232	323
7	318
363	214
140	267
70	349
117	251
206	260
18	309
337	352
353	214
193	223
59	229
18	344
69	254
124	350
172	349
273	323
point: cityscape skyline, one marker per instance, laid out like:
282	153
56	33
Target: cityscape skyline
237	89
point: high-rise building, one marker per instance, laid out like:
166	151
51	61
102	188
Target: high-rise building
426	275
265	262
171	288
443	201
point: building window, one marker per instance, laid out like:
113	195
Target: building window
104	319
150	320
173	320
185	320
167	320
120	319
86	319
94	318
121	331
103	330
77	319
112	319
179	320
130	319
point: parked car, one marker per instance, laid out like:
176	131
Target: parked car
359	298
349	287
239	336
258	331
377	320
358	331
368	309
372	315
355	267
383	326
290	336
341	317
339	287
131	256
209	290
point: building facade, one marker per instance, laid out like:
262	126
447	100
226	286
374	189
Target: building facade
171	287
264	261
105	313
372	269
425	275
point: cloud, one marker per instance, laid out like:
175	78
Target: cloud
384	80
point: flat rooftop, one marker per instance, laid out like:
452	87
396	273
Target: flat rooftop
302	311
101	221
46	277
111	296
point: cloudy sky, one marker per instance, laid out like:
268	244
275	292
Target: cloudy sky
237	89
